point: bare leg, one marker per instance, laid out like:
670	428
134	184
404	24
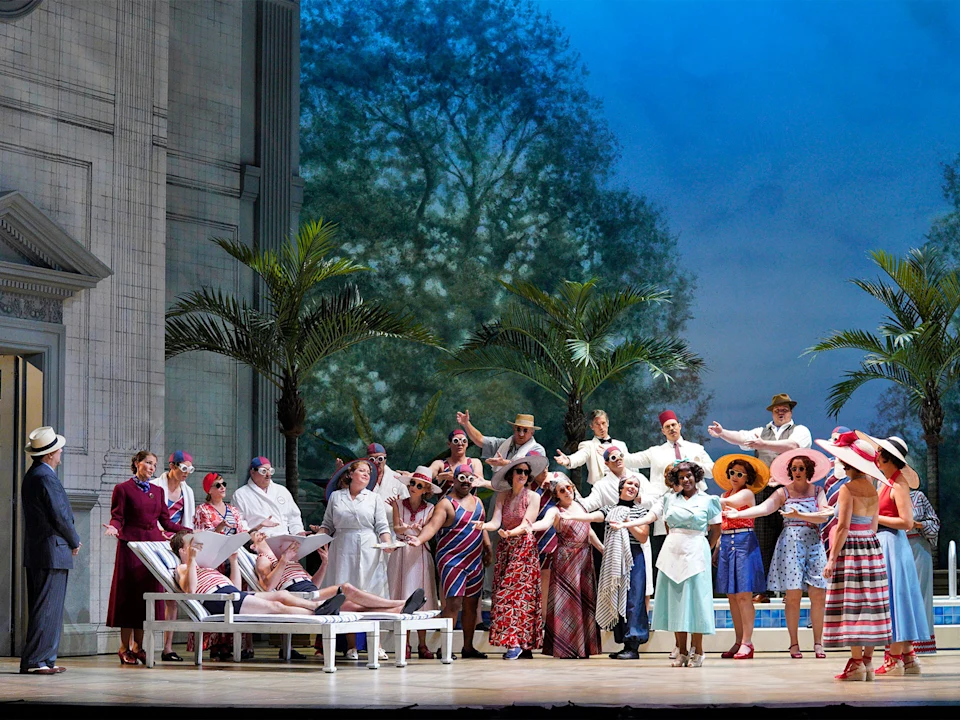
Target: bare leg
350	606
681	640
471	607
138	638
126	638
369	601
421	639
544	586
747	615
696	643
818	602
792	611
734	601
269	604
169	613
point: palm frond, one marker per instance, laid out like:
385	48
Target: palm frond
190	333
423	424
362	423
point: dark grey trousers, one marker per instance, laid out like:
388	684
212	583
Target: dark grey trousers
46	593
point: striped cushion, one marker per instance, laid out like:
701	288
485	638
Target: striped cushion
302	619
420	615
162	564
248	570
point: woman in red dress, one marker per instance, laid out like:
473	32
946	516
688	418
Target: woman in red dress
135	509
516	620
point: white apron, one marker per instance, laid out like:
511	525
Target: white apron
682	554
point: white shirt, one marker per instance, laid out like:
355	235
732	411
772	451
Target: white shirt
587	454
391	486
658	458
504	446
801	435
189	504
607	492
257	505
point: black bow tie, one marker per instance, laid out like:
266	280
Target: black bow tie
605	441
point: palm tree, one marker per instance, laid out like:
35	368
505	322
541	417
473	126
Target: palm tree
569	344
296	327
916	346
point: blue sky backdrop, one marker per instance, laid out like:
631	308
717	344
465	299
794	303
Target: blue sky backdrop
783	141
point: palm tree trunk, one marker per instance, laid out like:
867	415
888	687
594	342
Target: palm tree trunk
933	468
575	430
292	443
292	416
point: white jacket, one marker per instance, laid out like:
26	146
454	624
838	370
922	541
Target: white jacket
189	504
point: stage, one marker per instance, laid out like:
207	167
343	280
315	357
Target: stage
492	687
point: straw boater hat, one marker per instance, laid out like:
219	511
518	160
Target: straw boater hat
780	467
537	463
421	474
524	421
857	453
721	466
782	399
43	441
896	447
335	479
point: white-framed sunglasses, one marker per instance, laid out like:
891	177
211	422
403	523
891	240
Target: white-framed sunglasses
184	468
464	478
264	471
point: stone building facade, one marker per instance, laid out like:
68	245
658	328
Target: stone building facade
132	132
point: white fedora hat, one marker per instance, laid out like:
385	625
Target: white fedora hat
421	474
44	440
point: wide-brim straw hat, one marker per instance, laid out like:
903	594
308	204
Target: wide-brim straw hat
780	467
896	447
721	466
537	463
781	399
335	479
856	454
421	474
524	421
43	441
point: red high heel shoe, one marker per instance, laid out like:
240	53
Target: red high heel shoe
795	654
731	652
126	657
744	655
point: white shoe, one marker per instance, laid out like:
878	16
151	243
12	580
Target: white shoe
351	654
680	661
675	653
695	660
382	654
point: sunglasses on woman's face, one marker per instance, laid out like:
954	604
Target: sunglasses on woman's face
419	485
264	471
566	490
521	471
221	485
735	473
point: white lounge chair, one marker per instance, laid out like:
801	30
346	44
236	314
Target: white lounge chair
397	623
162	563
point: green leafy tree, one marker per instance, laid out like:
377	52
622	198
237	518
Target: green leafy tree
917	346
569	344
297	327
457	145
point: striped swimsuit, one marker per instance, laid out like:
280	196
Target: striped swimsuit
460	553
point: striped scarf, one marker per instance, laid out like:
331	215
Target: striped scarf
614	579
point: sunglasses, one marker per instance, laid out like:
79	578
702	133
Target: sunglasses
464	478
798	468
566	490
186	468
521	471
378	459
460	441
419	485
264	471
614	457
735	473
220	485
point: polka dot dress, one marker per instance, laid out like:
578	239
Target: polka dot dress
799	557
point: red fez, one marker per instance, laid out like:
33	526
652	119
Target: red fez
667	415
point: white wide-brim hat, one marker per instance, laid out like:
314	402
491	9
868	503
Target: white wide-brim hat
896	447
44	440
421	474
856	453
537	463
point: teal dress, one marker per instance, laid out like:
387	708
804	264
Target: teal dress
684	594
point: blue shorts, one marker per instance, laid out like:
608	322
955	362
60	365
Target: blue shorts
217	607
302	586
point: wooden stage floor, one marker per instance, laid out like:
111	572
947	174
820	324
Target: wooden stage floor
493	687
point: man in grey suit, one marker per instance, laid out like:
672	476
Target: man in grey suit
49	544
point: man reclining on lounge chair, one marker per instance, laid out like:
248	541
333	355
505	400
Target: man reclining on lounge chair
285	573
194	579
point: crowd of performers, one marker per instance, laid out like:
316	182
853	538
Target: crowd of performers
849	528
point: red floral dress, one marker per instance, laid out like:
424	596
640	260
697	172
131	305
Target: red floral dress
516	618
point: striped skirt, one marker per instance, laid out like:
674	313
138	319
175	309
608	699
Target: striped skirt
858	604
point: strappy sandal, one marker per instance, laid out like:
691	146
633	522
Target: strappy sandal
731	652
818	651
796	655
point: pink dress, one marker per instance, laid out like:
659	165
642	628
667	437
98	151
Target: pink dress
410	568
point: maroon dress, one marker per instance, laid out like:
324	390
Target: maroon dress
135	515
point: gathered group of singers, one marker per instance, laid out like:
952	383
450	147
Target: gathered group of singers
851	530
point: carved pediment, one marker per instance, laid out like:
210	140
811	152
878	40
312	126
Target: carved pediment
38	257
